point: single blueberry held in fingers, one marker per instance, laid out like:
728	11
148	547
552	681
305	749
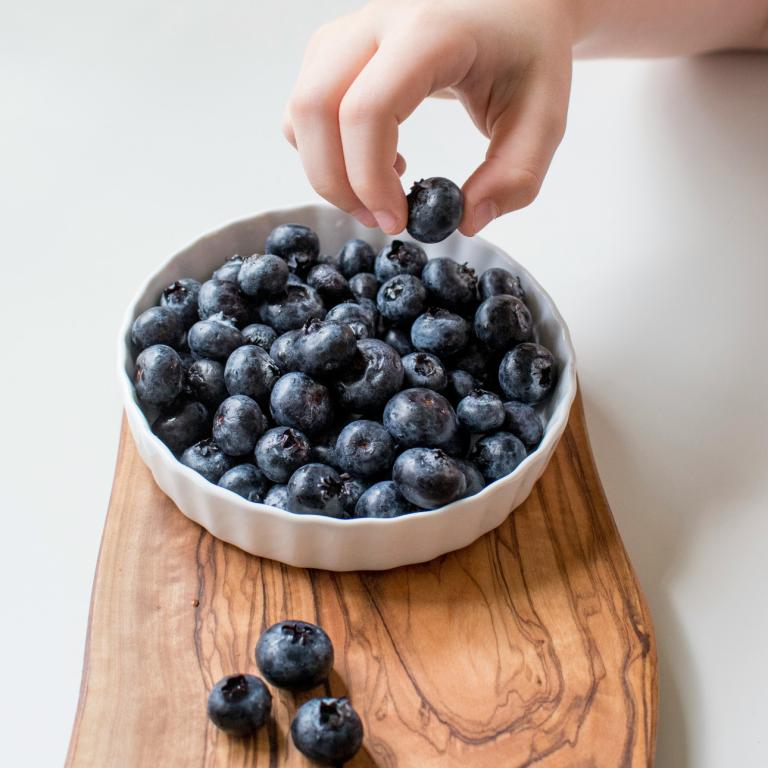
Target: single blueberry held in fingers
283	351
365	449
207	459
300	402
424	370
480	411
356	256
356	317
277	496
364	285
450	284
157	325
420	417
373	376
205	382
295	243
383	500
239	704
159	375
323	348
498	281
292	308
401	298
460	384
217	296
523	422
261	335
327	731
399	258
528	373
400	340
263	275
215	338
316	489
329	283
237	424
181	297
250	371
440	332
503	321
281	451
352	488
247	481
428	477
229	270
435	207
182	424
497	455
474	477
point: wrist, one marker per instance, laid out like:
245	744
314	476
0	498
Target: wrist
583	16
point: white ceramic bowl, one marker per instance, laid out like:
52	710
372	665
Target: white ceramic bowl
313	541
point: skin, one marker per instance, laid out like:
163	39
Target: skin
508	62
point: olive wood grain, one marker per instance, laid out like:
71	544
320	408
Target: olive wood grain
532	646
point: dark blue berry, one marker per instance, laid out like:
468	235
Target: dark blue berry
218	296
460	384
181	297
157	325
383	500
497	455
215	338
281	451
449	284
523	422
283	351
373	376
399	258
329	283
352	488
420	417
261	335
316	489
263	275
237	424
239	704
356	317
365	449
251	371
474	477
364	285
295	243
182	424
424	370
435	207
497	281
400	340
323	348
473	359
440	332
480	411
356	256
207	459
503	321
401	298
528	373
247	481
428	477
327	731
277	496
229	270
159	375
292	308
205	382
300	402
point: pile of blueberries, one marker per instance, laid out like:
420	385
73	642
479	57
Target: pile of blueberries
296	656
358	384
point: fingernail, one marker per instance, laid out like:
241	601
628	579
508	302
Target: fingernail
365	217
485	212
387	221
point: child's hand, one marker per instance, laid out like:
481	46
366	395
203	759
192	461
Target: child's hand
507	61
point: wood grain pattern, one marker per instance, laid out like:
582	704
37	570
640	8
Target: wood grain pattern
533	646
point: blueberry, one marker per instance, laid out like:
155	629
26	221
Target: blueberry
459	444
157	325
207	459
473	359
480	411
239	704
528	373
182	424
353	315
237	424
383	500
283	351
294	279
295	243
497	281
328	731
263	275
181	297
428	477
300	402
250	371
329	283
205	382
370	309
365	449
420	417
450	284
523	422
292	308
402	298
261	335
229	270
435	207
374	375
356	256
324	448
316	489
215	338
323	348
503	321
497	455
474	477
460	384
159	375
399	258
400	340
352	488
281	451
424	370
247	481
277	496
217	296
364	285
440	332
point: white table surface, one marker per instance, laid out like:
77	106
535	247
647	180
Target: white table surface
128	129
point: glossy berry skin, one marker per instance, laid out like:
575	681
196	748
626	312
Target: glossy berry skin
229	270
323	348
239	704
528	373
365	449
262	275
364	285
400	340
523	422
329	283
327	731
182	425
205	382
283	351
424	370
250	371
474	477
277	496
428	477
316	489
352	488
237	425
440	332
292	308
157	325
480	411
181	298
498	281
460	384
300	402
159	375
356	317
215	338
281	451
497	455
383	500
435	208
420	417
247	481
356	256
207	459
449	284
217	296
401	298
260	335
503	321
295	243
375	374
399	258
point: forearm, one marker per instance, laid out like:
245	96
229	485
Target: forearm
667	27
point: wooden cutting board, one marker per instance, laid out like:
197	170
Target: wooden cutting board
532	646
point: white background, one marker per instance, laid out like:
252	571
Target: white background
128	129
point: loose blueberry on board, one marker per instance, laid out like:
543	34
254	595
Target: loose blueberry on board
440	332
497	455
356	317
292	308
328	731
428	477
229	270
375	374
528	373
281	451
159	375
352	488
401	298
474	477
215	338
316	489
498	281
217	296
259	334
277	496
399	258
450	284
157	325
356	256
400	340
295	655
207	459
282	351
247	481
383	500
364	285
239	704
503	321
300	402
182	424
435	208
263	275
181	298
323	348
523	422
365	449
460	384
420	417
250	371
295	243
238	424
329	283
204	381
425	370
480	411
